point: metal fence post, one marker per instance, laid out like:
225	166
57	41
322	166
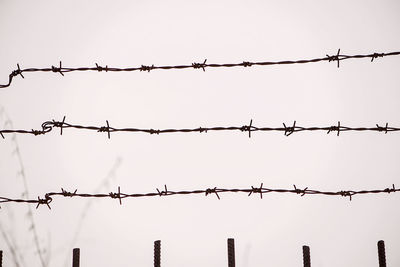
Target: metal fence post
381	253
75	257
306	256
157	253
1	258
231	252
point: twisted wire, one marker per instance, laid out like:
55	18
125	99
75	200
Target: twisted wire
48	126
202	65
48	197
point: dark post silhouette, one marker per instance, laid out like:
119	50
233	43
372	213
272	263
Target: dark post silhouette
231	252
306	256
1	258
381	253
75	257
157	253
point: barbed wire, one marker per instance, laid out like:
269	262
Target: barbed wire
287	130
48	197
203	65
22	173
104	184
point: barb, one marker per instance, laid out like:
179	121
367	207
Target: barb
48	126
338	57
217	191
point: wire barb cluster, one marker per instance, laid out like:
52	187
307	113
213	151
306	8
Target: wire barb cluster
48	197
48	126
60	69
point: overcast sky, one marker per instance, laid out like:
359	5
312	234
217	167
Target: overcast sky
193	229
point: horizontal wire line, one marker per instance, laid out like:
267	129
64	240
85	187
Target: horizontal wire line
48	197
48	126
61	70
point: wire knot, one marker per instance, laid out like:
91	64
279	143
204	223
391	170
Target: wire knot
37	132
346	194
17	72
200	65
335	128
146	68
105	129
334	58
300	191
258	190
289	130
247	128
389	190
381	129
161	193
202	130
59	124
212	191
152	131
116	195
247	64
44	201
100	68
59	69
376	55
68	194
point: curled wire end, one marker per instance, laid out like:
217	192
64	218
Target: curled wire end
1	133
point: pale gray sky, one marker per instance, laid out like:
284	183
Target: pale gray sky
194	229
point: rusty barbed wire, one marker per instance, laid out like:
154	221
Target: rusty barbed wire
48	197
202	65
48	126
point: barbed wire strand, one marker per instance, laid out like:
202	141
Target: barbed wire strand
287	130
48	197
202	66
104	184
22	173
